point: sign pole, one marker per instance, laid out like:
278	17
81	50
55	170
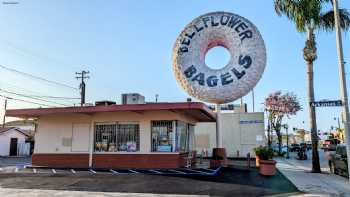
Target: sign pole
218	131
343	90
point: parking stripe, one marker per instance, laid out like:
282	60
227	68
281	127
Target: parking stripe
53	171
197	171
16	169
177	171
91	170
208	169
34	170
134	171
155	171
114	172
73	171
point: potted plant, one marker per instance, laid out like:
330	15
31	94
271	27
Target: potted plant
267	166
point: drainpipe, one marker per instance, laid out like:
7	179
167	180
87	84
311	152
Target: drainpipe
91	144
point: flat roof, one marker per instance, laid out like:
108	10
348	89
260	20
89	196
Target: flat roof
196	110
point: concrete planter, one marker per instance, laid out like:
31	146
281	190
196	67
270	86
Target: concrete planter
267	167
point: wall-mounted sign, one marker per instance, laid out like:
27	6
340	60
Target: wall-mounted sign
251	122
245	68
335	103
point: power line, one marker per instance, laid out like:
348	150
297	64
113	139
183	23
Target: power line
23	95
16	99
55	97
34	92
38	78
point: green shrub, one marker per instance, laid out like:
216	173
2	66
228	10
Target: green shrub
264	152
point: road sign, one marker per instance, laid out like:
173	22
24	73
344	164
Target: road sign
335	103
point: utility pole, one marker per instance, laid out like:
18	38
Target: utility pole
82	76
343	90
4	118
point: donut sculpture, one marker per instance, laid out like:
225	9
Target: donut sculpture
246	65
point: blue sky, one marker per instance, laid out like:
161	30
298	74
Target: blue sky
126	46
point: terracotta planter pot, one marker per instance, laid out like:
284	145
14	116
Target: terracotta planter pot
267	167
219	158
257	161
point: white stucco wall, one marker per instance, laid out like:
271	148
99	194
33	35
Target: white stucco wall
5	139
54	132
240	132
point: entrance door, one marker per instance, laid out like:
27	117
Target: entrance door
13	147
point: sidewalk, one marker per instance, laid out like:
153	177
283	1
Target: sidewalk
325	184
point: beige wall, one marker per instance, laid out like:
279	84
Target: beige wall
61	133
240	133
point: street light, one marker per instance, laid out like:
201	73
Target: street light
342	79
286	127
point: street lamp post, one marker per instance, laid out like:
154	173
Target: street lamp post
286	127
343	90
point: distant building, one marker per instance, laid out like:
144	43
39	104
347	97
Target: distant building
28	126
13	142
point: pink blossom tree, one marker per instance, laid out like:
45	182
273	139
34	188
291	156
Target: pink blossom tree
278	106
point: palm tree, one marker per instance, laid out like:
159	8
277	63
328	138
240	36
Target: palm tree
310	16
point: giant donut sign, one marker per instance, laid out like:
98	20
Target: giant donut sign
246	65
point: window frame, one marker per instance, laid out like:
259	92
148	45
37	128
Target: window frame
116	124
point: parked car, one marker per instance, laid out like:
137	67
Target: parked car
338	163
309	146
303	145
330	144
294	148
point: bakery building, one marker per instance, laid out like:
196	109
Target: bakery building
109	135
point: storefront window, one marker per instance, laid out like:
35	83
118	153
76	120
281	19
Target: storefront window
191	138
165	140
128	137
113	137
105	137
162	136
182	136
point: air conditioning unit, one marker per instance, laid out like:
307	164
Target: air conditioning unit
133	98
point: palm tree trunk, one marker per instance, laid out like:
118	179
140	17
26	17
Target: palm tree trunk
312	114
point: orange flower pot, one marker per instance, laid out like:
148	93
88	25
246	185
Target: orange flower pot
267	167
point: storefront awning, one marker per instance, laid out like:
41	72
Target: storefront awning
197	110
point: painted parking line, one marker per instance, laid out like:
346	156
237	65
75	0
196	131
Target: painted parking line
16	169
197	171
34	170
208	169
73	171
177	171
114	172
91	170
53	171
155	171
133	171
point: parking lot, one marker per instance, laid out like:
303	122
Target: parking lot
235	181
229	182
